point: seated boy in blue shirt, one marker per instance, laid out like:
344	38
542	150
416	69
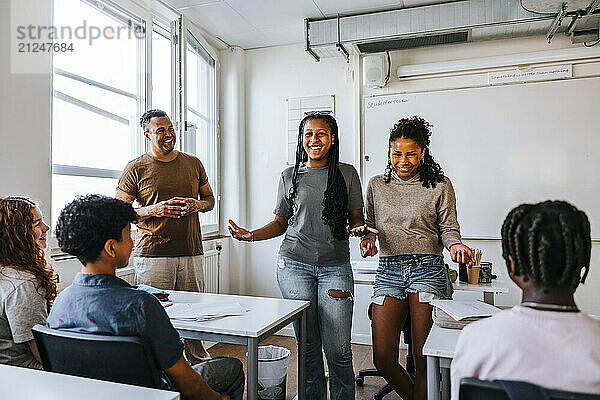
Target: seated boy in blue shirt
96	229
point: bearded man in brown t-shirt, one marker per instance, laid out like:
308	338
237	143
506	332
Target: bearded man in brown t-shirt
171	188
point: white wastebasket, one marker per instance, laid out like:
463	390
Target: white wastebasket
272	372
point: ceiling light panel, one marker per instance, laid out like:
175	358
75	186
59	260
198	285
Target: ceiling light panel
334	7
275	13
219	19
417	3
189	3
267	37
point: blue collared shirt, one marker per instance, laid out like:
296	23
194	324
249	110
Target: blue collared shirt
106	304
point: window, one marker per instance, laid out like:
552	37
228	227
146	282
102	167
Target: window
161	69
115	73
97	100
200	138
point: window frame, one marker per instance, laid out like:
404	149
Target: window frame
207	52
127	16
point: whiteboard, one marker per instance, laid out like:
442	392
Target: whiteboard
502	146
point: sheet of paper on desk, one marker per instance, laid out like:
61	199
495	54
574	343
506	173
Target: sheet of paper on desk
465	309
204	311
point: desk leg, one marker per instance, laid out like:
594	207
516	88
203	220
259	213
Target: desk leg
445	383
252	378
302	357
433	378
488	297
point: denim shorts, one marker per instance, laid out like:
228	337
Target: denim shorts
412	273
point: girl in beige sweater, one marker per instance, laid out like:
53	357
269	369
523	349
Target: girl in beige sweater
414	208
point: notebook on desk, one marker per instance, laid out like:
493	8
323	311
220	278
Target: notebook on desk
455	314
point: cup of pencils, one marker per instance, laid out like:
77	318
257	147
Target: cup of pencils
473	270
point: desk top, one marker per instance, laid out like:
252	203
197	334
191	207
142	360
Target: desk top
497	286
25	383
264	314
441	342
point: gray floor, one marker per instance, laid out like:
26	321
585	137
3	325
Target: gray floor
362	357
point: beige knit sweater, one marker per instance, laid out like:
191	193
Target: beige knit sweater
411	219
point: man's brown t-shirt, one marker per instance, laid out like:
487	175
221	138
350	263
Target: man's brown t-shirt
151	181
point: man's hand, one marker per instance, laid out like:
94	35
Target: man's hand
224	396
368	248
172	208
191	205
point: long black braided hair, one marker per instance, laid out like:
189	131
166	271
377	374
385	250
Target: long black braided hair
549	243
335	199
419	130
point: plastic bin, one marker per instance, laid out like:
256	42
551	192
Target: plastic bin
272	372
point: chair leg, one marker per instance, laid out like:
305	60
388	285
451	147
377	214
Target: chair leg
410	362
383	391
360	378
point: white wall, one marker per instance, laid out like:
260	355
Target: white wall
275	73
25	111
233	172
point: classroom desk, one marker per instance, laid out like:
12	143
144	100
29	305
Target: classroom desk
488	289
439	349
266	316
25	383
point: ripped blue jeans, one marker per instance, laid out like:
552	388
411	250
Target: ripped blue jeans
330	291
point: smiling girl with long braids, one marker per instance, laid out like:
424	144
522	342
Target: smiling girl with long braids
413	206
319	200
27	281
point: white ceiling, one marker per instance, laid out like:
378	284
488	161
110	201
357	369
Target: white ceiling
260	23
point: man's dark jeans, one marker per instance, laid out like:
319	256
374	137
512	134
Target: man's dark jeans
223	375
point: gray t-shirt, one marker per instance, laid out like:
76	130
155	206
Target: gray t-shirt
307	238
21	308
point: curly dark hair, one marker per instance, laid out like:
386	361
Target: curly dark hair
148	115
85	224
18	247
549	243
419	130
335	199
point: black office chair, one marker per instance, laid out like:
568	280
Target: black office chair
410	365
122	359
475	389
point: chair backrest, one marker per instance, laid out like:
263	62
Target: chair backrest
122	359
471	389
